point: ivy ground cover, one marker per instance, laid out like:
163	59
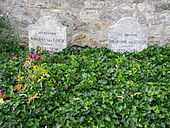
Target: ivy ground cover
86	88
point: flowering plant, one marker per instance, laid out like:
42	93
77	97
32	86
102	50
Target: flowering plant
34	55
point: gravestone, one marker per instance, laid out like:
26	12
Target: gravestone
127	35
47	34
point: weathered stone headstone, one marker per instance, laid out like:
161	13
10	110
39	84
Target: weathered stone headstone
47	34
127	35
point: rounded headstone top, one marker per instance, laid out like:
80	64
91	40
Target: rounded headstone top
46	21
127	35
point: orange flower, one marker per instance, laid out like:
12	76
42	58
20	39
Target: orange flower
18	88
32	98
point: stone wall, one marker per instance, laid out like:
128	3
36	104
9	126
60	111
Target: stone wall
88	20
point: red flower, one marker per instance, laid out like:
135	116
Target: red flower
2	93
34	56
